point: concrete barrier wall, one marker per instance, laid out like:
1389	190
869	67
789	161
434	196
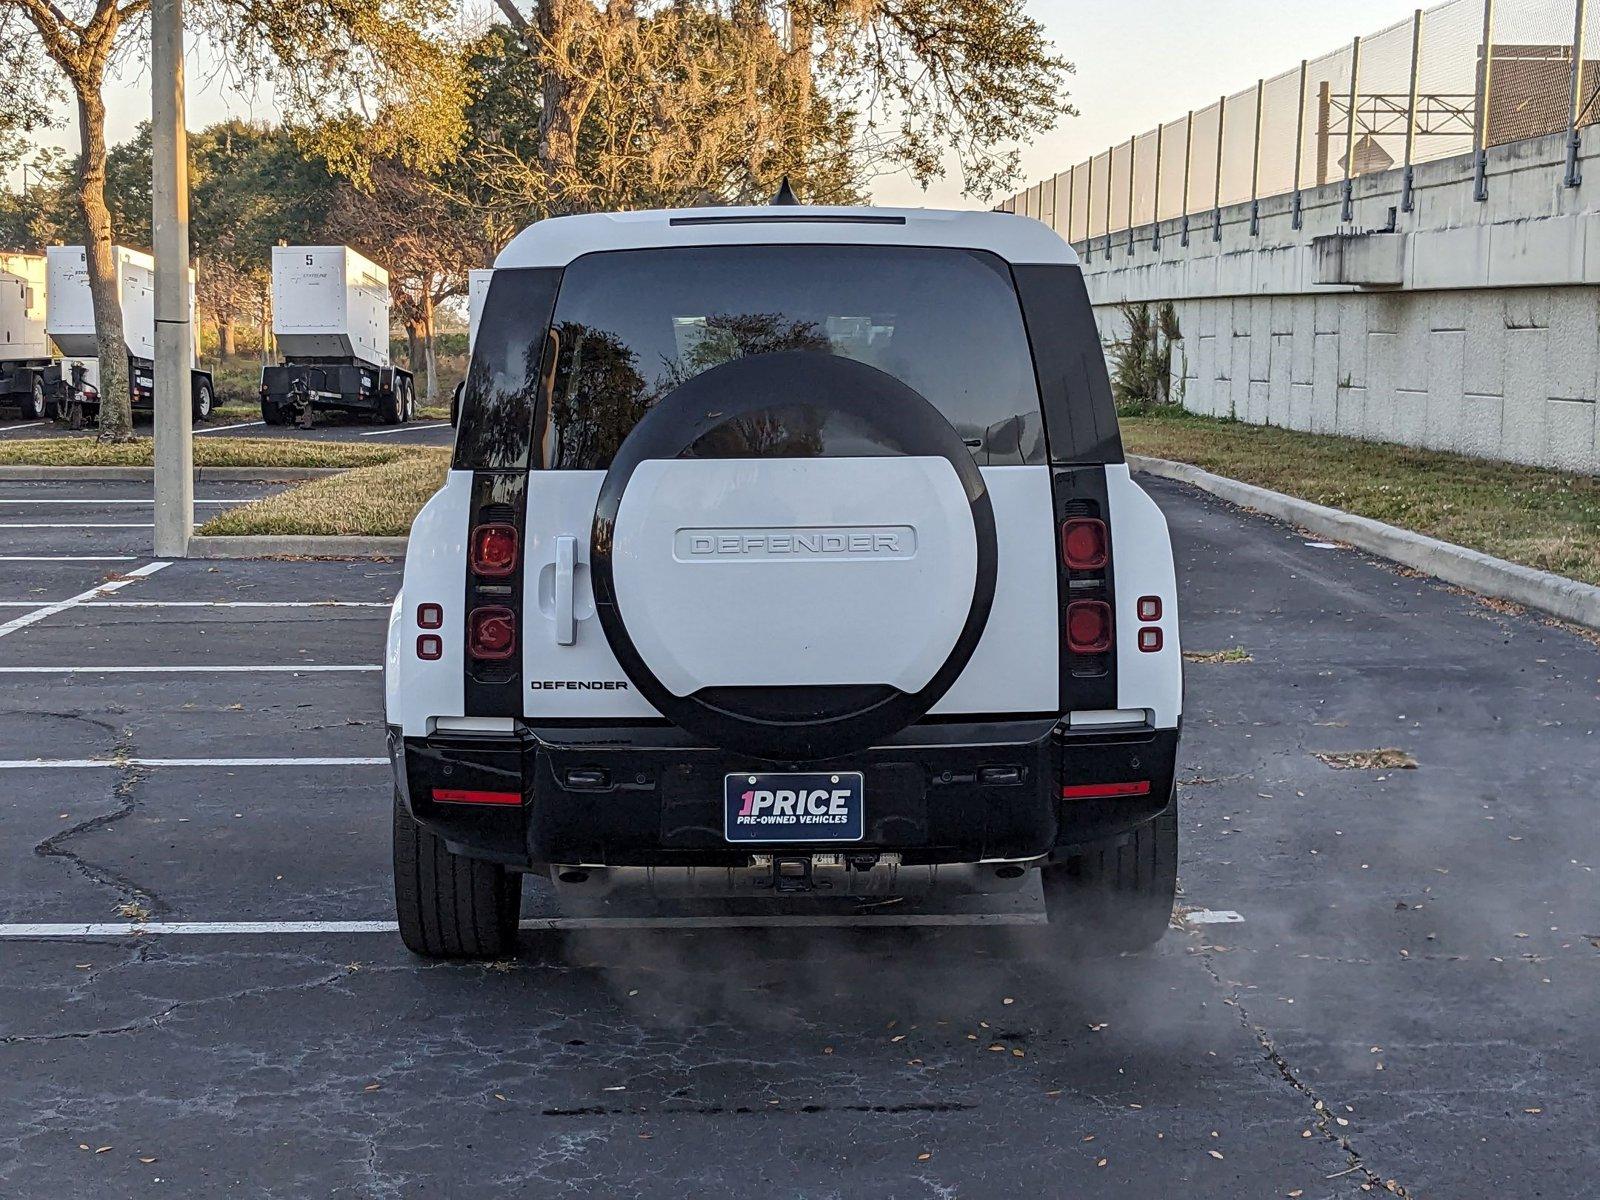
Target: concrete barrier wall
1483	339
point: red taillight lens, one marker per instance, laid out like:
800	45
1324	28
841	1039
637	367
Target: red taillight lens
492	633
1105	791
473	796
494	550
1083	543
1089	626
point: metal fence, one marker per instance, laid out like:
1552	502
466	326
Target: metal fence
1454	79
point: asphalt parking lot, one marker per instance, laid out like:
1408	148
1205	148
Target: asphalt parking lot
1406	1005
328	428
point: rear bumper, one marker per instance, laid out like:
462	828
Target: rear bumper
649	797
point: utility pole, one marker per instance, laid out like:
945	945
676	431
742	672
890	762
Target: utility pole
169	193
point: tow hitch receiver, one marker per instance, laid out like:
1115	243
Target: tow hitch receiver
792	874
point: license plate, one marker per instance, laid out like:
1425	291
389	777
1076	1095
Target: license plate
821	807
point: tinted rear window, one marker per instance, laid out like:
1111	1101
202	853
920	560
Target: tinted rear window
629	326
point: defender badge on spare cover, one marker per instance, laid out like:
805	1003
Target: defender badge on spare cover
793	555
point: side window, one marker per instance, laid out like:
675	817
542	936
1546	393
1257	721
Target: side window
496	430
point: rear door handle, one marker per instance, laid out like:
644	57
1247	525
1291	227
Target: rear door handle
566	555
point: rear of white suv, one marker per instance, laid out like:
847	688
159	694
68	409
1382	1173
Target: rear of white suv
786	551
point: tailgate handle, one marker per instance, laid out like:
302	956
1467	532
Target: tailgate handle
566	553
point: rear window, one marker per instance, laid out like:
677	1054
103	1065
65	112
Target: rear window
630	326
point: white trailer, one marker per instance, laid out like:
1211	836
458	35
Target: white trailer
29	374
69	320
330	316
477	290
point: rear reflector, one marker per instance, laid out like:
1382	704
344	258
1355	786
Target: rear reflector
1104	791
1149	608
1150	639
1089	626
430	616
465	796
1083	543
430	647
492	633
494	550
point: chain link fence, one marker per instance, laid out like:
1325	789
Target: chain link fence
1455	79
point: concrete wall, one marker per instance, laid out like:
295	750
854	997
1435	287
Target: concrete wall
1489	344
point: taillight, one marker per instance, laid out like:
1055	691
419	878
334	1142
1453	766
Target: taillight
1084	543
1105	791
494	550
492	633
1089	626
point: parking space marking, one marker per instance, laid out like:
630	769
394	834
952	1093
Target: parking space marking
50	610
146	503
197	669
72	525
211	603
78	764
67	557
1206	916
29	425
403	429
22	931
220	428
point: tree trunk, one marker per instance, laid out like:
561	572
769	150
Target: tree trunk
432	392
414	347
116	411
225	337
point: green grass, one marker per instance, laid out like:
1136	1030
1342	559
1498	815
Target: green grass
375	501
208	452
1540	518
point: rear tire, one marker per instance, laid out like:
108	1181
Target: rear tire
1116	896
271	413
451	906
389	408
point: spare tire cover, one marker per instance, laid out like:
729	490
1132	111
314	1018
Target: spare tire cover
793	555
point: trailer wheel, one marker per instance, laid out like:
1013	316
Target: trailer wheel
389	407
411	401
271	413
33	406
202	400
450	906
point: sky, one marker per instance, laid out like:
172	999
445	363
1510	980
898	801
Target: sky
1138	64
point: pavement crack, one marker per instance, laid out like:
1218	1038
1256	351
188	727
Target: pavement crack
1324	1119
129	776
77	1035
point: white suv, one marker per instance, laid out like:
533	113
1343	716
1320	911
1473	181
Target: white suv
786	551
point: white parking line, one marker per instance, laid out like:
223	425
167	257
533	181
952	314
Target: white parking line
544	924
146	503
1205	916
220	428
79	764
29	425
403	429
197	669
211	603
67	557
50	610
72	525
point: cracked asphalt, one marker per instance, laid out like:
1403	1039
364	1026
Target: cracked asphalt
1406	1008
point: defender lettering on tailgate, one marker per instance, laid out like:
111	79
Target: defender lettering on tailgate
808	543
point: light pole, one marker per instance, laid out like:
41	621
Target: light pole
169	193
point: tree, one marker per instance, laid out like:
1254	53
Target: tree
326	55
682	100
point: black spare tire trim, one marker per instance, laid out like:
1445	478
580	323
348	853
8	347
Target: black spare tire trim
887	418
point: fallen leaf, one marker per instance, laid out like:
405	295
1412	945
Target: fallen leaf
146	1160
1102	1162
102	1149
1214	1153
924	1156
996	1048
1015	1053
372	1087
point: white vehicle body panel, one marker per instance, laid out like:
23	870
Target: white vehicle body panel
1142	565
794	571
330	302
1016	668
415	691
22	307
559	240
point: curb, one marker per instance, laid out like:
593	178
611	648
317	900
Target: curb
1472	569
148	474
295	546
